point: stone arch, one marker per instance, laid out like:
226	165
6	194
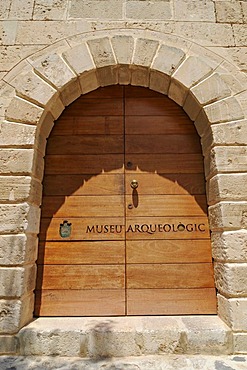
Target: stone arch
210	90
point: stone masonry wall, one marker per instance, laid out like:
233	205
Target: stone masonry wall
216	31
29	25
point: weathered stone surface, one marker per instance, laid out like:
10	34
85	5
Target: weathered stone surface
185	362
244	10
188	10
191	71
110	9
139	76
17	281
159	82
46	33
225	110
228	215
14	314
107	76
226	159
19	218
167	59
102	52
211	89
122	336
148	9
177	93
89	82
4	9
18	249
240	32
201	123
16	161
21	10
228	187
207	334
20	188
7	93
79	58
232	76
206	33
124	75
50	10
123	47
55	70
228	12
230	245
191	106
45	126
231	278
233	133
17	134
240	342
234	312
8	32
50	342
32	87
10	55
242	99
8	344
20	110
144	52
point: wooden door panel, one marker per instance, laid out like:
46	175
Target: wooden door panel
103	184
171	301
167	228
168	251
96	107
83	206
151	107
81	277
91	144
164	163
155	239
80	302
78	253
162	144
137	92
109	92
159	125
165	205
88	125
166	184
170	276
84	164
89	228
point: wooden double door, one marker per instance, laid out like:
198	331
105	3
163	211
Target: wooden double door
124	228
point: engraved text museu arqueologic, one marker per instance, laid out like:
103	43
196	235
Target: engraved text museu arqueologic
146	228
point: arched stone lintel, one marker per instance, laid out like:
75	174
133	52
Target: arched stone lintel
56	76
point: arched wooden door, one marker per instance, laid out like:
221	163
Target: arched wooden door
124	227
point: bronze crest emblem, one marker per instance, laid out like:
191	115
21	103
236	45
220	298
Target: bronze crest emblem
65	229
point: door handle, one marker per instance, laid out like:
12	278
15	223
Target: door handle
134	184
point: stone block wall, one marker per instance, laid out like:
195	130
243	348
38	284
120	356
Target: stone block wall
51	51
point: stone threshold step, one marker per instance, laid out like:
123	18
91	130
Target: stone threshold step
104	337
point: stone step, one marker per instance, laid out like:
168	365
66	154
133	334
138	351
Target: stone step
105	337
